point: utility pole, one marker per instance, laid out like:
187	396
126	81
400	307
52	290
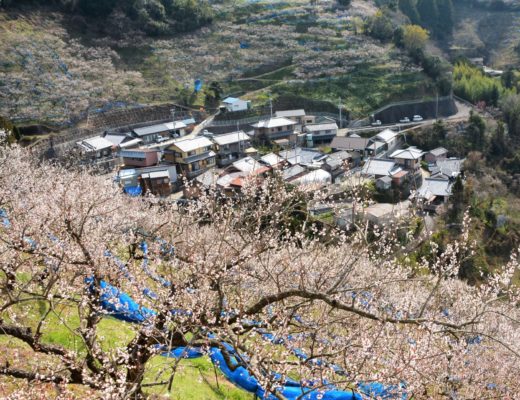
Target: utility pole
271	106
172	113
437	106
340	120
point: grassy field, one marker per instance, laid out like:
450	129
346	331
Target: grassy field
194	379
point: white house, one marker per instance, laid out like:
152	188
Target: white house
383	143
234	104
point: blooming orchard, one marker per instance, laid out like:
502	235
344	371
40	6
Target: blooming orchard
240	265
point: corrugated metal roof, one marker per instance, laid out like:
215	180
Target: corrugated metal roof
292	172
272	159
229	138
435	187
387	135
349	143
290	113
321	127
230	100
378	167
192	144
302	156
247	164
95	143
274	123
149	130
133	154
175	125
438	151
115	139
411	153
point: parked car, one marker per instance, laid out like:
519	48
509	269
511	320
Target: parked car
417	118
404	120
376	123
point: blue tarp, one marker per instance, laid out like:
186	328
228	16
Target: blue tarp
4	219
120	305
133	191
197	85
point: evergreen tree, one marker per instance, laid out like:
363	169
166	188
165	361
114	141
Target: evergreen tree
409	8
429	14
439	131
457	201
498	147
476	131
446	20
511	107
495	94
508	78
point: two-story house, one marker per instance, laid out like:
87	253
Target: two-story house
192	157
298	116
321	133
383	143
409	158
230	147
274	128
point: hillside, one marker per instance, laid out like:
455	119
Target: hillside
56	67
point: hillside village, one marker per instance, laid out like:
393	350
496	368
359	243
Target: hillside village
178	160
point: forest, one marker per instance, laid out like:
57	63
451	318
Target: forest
156	17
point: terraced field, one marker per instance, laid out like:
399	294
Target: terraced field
53	69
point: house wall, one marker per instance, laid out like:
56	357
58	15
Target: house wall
228	154
409	164
239	105
281	131
151	158
156	186
147	139
189	169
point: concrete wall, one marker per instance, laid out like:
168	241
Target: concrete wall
427	109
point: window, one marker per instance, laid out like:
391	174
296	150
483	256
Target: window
191	153
280	129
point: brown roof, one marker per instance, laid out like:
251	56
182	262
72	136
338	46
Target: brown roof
349	143
400	174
